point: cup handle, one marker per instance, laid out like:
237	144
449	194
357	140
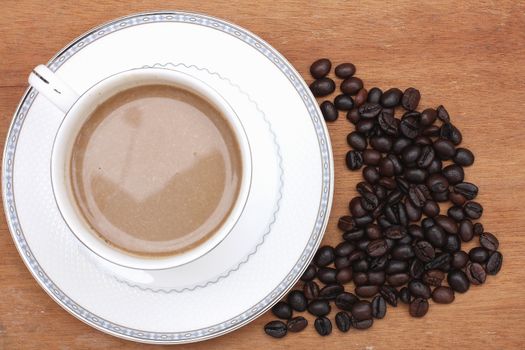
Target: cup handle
53	88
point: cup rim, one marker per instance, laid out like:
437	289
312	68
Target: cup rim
62	153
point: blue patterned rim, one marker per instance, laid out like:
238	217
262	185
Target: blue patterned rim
198	334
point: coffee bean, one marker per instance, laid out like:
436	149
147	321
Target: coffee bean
354	160
390	294
363	220
391	97
494	263
377	248
398	279
458	281
456	198
360	278
409	127
444	149
433	277
454	173
426	157
351	85
297	324
431	131
357	141
435	166
453	244
440	197
413	213
437	183
327	275
282	310
297	300
451	133
378	307
344	102
418	307
364	125
381	144
473	210
410	99
322	87
418	194
400	144
436	236
353	116
478	254
378	264
388	123
431	209
448	224
442	114
488	241
362	310
417	268
404	295
330	291
456	213
396	266
373	231
428	116
374	95
343	321
360	97
364	324
418	289
276	329
424	251
371	157
325	255
395	232
467	190
346	223
344	275
416	231
459	260
319	307
438	262
376	277
427	223
478	228
323	326
360	266
311	290
329	111
309	273
369	201
366	291
344	301
443	295
344	248
345	70
356	208
476	274
464	157
320	68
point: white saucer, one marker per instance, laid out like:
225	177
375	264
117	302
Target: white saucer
273	241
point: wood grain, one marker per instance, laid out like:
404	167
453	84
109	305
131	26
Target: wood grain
467	55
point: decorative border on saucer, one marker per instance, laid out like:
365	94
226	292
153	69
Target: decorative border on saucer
198	334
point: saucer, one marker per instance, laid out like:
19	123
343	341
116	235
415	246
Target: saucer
277	234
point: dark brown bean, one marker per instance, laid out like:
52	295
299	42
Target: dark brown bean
320	68
322	87
345	70
443	295
351	85
297	324
418	307
410	99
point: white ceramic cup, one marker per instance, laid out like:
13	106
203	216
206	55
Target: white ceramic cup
76	111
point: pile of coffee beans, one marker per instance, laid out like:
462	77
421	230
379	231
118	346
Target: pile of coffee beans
402	242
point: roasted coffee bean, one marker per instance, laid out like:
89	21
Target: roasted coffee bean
400	144
396	266
330	291
354	234
323	326
395	232
473	210
398	279
327	275
344	275
478	254
416	232
309	273
464	157
346	223
369	201
357	141
367	291
319	307
391	97
297	324
431	209
418	289
297	300
418	194
459	260
365	125
443	295
351	85
369	110
374	95
344	301
456	213
362	221
433	277
388	183
390	294
356	208
345	70
377	248
282	310
325	256
488	241
458	281
329	111
444	149
426	157
320	68
353	116
436	236
409	127
454	173
322	87
476	274
467	190
404	295
417	268
378	307
381	144
386	167
451	133
413	212
494	263
410	99
402	252
376	277
276	329
437	183
354	160
343	321
428	116
388	123
344	249
478	228
311	290
435	166
456	198
430	131
415	175
362	310
360	266
360	97
373	231
344	102
371	157
378	264
446	223
442	114
427	223
356	255
424	251
438	262
440	197
453	244
418	307
363	244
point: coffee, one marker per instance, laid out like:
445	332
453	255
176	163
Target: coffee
155	170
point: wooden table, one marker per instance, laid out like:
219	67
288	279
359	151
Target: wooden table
467	55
